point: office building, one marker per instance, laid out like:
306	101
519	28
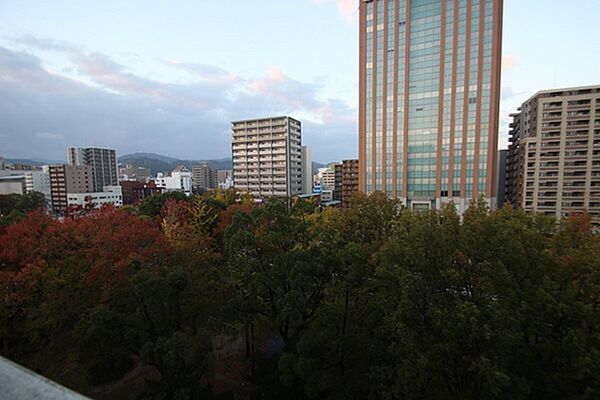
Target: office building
136	191
429	87
307	178
102	161
110	195
131	173
223	175
66	179
204	177
180	180
267	159
553	160
12	184
327	178
349	181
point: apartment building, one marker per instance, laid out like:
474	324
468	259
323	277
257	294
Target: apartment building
65	179
429	92
102	161
553	160
204	177
266	156
349	181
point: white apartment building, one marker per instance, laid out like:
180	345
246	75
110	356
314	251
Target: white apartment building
110	195
266	156
180	180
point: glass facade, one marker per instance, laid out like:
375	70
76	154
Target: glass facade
429	91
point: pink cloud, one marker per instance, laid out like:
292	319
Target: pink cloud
509	62
346	8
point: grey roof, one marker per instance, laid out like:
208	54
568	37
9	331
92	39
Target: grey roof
17	382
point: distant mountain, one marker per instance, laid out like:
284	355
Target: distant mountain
316	166
151	156
35	161
159	163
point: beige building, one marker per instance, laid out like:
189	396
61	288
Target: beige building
266	156
553	161
204	177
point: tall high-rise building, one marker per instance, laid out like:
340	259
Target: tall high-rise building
267	157
553	160
307	177
102	161
429	87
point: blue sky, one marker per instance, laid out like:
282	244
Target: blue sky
167	77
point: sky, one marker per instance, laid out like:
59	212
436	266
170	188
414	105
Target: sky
169	76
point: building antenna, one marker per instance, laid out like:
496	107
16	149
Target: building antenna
555	67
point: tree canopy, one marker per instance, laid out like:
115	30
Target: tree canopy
211	296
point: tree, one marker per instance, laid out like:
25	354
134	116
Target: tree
152	206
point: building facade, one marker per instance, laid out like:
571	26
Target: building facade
66	179
553	160
307	177
110	195
180	180
12	184
131	173
267	157
204	177
102	161
136	191
349	181
429	87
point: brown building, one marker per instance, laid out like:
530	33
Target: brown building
429	91
349	181
68	179
553	162
136	191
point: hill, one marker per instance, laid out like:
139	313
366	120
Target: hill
159	163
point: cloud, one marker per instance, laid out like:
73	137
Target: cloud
210	73
106	104
346	8
46	44
508	93
509	62
49	136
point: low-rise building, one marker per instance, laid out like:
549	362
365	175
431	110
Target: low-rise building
110	195
136	191
131	173
12	184
180	180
